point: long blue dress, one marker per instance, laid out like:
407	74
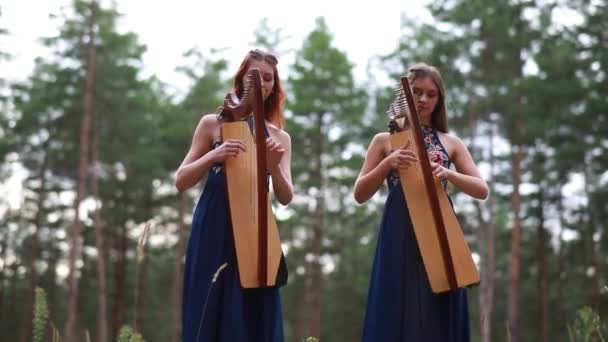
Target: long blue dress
401	305
222	311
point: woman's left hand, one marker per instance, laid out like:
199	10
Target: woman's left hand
274	153
439	171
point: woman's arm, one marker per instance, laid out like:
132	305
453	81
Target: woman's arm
279	166
376	167
467	177
199	158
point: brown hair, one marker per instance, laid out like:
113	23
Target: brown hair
273	105
439	117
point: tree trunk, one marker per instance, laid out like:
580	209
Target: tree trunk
13	291
120	283
515	246
316	283
481	239
48	280
317	276
141	274
176	287
594	281
300	314
561	307
28	314
491	249
487	283
98	224
140	300
3	255
74	241
542	273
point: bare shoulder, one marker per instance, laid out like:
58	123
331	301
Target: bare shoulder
209	125
382	137
381	143
209	121
206	130
453	143
454	139
277	133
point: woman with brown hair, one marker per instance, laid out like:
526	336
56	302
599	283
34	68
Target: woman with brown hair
401	305
215	307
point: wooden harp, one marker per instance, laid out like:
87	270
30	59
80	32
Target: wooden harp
444	250
256	236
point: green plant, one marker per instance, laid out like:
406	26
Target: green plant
41	315
127	334
586	326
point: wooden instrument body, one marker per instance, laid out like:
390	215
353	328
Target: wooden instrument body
425	229
243	190
443	248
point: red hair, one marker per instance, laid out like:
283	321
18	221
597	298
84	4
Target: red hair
273	105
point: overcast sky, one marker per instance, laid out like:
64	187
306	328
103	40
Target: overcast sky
361	29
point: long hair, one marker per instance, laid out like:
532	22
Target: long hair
273	105
439	117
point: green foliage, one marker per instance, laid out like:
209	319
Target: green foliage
128	334
268	38
586	326
325	111
504	64
512	67
41	316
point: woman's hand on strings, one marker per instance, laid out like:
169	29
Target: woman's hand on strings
229	148
401	158
440	171
274	153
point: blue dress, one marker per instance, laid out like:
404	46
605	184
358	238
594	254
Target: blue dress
222	311
401	305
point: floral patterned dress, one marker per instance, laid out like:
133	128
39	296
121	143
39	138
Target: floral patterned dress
401	305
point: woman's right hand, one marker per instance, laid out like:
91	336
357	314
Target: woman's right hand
228	148
401	158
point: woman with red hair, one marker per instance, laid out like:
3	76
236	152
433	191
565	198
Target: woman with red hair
215	307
